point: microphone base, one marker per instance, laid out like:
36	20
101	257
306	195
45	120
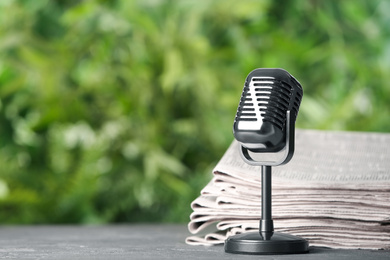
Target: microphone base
252	243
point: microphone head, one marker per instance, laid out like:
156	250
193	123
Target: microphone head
260	122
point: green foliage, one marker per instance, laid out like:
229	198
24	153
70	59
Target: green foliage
116	111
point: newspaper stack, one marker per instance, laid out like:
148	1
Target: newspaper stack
335	192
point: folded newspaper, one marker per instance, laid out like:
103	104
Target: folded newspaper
335	192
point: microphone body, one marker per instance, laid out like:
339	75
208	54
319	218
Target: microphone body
265	124
261	119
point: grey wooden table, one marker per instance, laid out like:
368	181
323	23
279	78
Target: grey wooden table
133	242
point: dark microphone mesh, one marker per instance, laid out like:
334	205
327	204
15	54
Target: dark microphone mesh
274	98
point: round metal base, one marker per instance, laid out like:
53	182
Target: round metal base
254	244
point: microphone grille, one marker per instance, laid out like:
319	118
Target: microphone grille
266	99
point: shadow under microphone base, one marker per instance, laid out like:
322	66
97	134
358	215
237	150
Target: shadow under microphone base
266	241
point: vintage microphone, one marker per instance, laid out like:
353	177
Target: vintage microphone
265	127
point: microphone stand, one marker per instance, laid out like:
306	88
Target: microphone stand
266	227
266	241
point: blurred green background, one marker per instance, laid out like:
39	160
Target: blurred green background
117	111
